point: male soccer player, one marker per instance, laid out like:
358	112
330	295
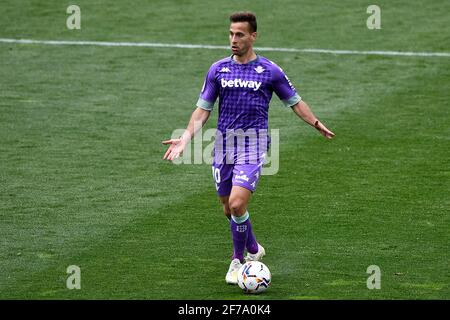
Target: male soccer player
244	83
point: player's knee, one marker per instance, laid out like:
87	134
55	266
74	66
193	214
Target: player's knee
237	206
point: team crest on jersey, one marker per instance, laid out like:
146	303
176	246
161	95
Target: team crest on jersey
259	69
225	69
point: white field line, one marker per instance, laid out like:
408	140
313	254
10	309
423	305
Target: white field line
212	47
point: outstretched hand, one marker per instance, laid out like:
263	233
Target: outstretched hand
175	149
324	130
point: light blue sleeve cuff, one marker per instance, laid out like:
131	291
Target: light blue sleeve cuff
292	101
206	105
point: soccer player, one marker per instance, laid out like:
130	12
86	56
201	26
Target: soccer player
244	83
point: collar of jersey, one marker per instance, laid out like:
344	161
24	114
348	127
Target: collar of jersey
244	64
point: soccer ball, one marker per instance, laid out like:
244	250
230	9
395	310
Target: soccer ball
254	277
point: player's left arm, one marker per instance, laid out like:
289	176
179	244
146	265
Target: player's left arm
302	109
288	95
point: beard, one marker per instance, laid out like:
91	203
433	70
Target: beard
239	51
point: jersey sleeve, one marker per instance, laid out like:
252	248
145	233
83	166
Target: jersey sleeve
283	88
210	90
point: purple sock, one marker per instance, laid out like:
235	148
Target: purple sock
239	232
252	245
243	237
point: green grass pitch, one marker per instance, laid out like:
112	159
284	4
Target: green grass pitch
82	180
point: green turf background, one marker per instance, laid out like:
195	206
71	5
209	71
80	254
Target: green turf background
82	181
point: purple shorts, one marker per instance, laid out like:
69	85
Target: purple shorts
228	175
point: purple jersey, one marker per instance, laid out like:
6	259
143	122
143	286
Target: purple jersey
244	92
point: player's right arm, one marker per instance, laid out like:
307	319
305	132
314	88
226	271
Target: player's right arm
176	146
208	96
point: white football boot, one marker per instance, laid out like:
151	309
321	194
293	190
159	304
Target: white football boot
232	274
256	256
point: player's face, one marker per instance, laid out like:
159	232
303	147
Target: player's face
241	38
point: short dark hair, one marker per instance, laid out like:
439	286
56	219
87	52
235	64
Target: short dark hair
245	16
